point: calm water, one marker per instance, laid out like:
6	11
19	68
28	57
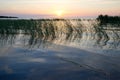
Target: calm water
59	50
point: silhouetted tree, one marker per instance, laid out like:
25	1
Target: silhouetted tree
105	19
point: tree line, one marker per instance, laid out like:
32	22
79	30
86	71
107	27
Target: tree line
105	19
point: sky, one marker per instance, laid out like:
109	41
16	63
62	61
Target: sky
59	8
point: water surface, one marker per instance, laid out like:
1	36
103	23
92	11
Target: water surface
59	50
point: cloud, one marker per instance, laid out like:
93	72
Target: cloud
7	69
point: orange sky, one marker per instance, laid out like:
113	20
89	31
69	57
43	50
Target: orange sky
59	8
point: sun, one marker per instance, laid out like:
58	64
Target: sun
59	13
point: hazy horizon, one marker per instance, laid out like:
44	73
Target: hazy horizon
59	9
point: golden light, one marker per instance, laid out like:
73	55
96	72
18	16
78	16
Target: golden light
59	13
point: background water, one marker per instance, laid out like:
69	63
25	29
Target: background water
59	50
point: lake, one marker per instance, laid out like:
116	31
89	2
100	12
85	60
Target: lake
59	50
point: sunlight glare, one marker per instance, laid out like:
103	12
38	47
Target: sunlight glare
59	12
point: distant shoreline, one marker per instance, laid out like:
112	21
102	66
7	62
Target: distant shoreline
8	17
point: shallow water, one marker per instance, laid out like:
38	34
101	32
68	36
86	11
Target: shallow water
60	50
